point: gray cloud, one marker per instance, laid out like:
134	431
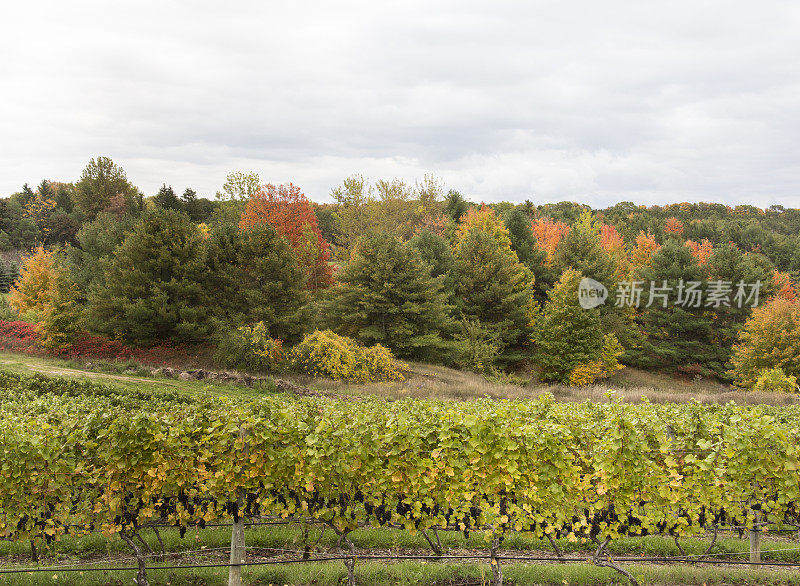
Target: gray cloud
588	101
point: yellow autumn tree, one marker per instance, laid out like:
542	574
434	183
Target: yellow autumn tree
34	289
48	290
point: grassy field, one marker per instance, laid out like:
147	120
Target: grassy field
423	380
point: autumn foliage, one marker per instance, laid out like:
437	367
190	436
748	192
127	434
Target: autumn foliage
646	247
288	210
700	250
785	287
36	284
770	339
673	226
548	234
611	239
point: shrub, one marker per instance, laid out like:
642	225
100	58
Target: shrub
610	353
586	374
18	336
774	379
608	364
478	346
326	354
249	348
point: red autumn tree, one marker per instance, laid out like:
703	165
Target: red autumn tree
287	209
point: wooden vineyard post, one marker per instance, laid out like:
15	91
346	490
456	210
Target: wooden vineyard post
755	539
238	550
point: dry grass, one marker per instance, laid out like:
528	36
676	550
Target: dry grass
631	385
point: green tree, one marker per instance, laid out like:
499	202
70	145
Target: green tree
5	277
581	249
528	251
96	240
387	296
677	334
254	276
435	251
62	315
455	205
101	182
729	266
166	199
493	287
565	335
154	285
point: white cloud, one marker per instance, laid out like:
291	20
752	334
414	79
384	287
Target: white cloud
587	101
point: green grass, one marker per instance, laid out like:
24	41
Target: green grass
409	573
26	364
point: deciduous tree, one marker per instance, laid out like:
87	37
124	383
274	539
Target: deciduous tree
770	339
101	181
287	209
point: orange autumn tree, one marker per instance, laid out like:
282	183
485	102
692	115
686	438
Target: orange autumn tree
36	283
701	251
287	209
785	288
548	234
610	239
646	246
674	227
614	244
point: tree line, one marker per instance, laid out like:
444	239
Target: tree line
417	269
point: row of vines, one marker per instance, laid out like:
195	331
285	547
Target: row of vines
77	457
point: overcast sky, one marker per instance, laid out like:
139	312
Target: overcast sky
597	102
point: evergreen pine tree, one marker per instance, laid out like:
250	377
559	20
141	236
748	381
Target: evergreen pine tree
581	249
166	199
253	275
528	251
13	272
678	334
455	205
730	265
153	286
5	277
437	254
387	295
566	336
493	287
